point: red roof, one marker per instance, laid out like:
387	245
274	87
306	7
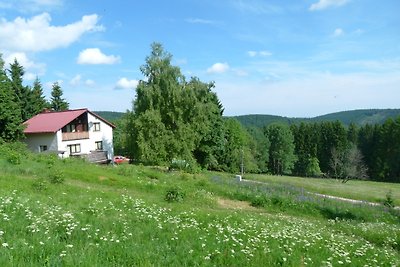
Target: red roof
51	122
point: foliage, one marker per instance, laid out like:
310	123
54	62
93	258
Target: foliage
37	101
389	201
14	158
57	103
174	194
312	168
259	146
360	117
281	152
56	176
10	113
173	118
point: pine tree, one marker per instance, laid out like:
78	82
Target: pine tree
57	103
21	92
37	101
11	128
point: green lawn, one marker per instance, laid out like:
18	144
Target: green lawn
70	213
353	189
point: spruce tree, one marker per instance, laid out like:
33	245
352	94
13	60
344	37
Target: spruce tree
37	101
21	92
11	128
57	103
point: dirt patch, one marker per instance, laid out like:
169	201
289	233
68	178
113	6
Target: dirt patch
102	178
234	204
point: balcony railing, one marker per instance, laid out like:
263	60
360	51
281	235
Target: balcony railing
75	136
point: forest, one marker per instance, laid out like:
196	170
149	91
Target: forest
178	122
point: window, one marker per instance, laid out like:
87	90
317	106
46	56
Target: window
71	128
96	127
75	148
42	148
99	145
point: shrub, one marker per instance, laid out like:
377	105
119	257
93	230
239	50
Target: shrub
56	176
389	201
39	184
14	158
259	201
174	194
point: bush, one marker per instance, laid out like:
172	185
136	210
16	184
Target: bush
174	194
14	158
56	177
39	184
389	201
189	166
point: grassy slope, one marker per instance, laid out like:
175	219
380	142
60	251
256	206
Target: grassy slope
107	216
353	189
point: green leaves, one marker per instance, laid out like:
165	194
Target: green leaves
172	118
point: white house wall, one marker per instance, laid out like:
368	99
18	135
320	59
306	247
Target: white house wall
87	145
34	141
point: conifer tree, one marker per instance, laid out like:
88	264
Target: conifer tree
57	103
21	92
37	101
11	128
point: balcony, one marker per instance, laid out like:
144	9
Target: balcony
75	136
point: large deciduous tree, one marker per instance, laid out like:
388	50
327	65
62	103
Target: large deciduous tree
281	152
173	118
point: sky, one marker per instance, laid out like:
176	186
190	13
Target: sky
295	58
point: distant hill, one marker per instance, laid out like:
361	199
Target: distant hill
359	117
110	116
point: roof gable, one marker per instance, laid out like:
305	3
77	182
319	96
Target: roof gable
51	122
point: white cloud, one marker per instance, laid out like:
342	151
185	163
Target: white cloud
199	21
262	53
36	34
76	80
49	85
252	53
124	83
218	68
324	4
265	53
95	56
338	32
90	83
31	68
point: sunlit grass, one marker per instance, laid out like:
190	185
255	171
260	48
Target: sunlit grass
118	216
353	189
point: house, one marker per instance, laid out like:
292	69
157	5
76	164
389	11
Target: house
78	132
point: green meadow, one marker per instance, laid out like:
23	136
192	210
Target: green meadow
69	213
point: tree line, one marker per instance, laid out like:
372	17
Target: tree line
19	102
175	119
178	119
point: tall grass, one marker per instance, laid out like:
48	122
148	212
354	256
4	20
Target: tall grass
118	216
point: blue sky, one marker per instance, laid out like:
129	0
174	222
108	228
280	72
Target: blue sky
298	58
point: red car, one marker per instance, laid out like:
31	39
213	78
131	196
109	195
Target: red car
121	160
